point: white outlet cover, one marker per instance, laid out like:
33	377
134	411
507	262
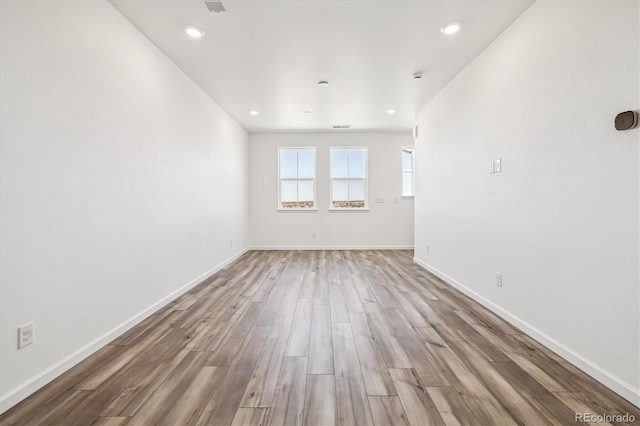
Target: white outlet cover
25	335
498	165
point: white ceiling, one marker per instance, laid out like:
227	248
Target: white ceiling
269	55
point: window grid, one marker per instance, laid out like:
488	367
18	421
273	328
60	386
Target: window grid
297	204
349	203
408	172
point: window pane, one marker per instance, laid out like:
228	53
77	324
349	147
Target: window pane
289	192
338	163
407	159
305	192
407	184
288	163
339	190
357	163
356	191
307	163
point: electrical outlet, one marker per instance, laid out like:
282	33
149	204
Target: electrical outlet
428	248
313	235
495	166
230	243
499	279
25	335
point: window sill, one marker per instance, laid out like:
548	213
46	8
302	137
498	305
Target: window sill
297	210
361	209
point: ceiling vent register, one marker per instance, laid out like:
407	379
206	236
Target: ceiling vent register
215	6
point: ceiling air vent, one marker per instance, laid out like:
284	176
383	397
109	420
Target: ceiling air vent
215	6
341	126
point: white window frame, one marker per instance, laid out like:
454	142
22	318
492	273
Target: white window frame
297	179
412	172
366	179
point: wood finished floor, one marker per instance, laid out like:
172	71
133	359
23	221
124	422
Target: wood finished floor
321	338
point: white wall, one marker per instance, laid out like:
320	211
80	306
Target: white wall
121	183
387	224
561	221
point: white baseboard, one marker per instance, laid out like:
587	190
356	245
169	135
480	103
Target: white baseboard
25	389
329	247
605	377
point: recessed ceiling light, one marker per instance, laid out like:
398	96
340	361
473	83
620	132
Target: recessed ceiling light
254	112
323	83
193	32
451	28
307	112
391	111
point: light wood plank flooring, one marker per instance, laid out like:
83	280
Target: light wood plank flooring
321	338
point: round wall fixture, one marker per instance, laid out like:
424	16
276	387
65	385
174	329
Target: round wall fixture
626	120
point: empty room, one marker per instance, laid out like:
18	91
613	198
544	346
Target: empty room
319	212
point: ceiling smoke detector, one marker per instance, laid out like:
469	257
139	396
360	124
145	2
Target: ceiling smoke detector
215	6
323	83
417	75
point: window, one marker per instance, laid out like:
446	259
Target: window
297	168
408	171
348	178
